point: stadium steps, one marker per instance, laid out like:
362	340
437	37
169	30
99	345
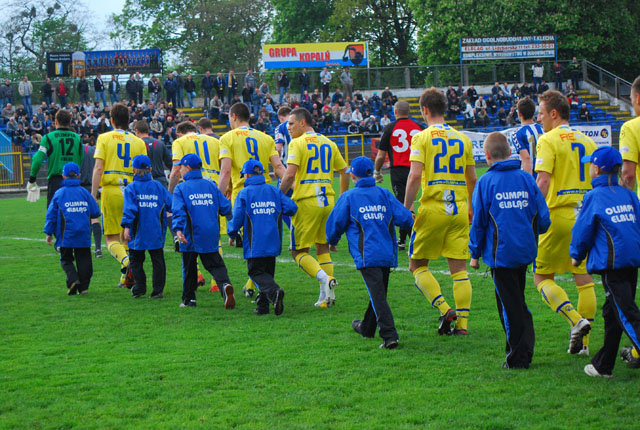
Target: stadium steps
196	114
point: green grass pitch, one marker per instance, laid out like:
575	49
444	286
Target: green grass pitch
106	360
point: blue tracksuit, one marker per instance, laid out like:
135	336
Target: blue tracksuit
196	205
607	230
368	214
146	203
258	209
509	213
69	215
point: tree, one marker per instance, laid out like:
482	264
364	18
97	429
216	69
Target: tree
602	31
300	21
219	34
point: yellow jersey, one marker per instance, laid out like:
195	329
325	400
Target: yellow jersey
630	144
206	147
243	144
118	148
445	153
317	158
560	153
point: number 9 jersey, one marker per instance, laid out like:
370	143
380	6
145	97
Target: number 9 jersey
445	153
118	148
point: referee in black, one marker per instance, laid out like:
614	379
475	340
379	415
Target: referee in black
396	143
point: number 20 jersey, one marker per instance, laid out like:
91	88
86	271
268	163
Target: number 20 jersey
559	153
317	157
445	153
396	141
118	148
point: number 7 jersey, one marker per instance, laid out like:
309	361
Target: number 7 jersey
445	153
317	157
118	148
559	153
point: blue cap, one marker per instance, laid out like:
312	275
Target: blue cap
191	160
361	167
252	166
70	169
141	162
605	157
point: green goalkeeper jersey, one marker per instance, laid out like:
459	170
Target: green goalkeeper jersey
59	147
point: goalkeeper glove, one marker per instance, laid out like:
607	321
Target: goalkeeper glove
33	192
378	176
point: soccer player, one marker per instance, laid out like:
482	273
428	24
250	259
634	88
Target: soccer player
113	170
630	150
396	142
563	179
442	159
526	138
58	147
237	147
159	154
283	138
310	165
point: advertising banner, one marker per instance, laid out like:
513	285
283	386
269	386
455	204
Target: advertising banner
506	48
90	63
299	55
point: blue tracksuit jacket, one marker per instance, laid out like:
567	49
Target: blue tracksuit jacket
368	214
196	205
69	215
607	228
259	208
146	203
509	213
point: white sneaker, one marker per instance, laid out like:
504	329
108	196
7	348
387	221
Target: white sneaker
322	298
576	334
583	351
591	371
331	292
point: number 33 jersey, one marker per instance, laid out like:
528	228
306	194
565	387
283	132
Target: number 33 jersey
559	153
317	158
445	153
118	148
396	141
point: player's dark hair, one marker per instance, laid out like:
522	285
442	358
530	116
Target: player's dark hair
556	100
142	126
284	111
635	87
186	127
141	172
241	110
497	146
302	114
63	118
434	100
402	108
119	115
205	123
526	108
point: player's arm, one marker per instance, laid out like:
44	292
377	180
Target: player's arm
174	178
344	180
471	178
225	174
413	183
38	159
338	220
380	157
629	174
278	167
527	165
234	225
288	178
543	180
98	170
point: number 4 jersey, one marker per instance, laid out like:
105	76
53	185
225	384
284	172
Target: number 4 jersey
396	141
118	148
445	153
317	158
559	153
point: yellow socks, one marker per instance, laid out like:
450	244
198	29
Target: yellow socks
634	353
556	298
462	296
308	264
429	287
249	285
325	263
586	305
118	252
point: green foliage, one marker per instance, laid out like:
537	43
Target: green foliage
604	32
222	34
300	21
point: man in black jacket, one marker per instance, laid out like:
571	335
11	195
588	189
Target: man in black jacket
98	87
220	86
303	81
83	90
207	86
132	88
47	92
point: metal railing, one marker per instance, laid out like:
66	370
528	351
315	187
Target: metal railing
11	169
607	81
351	145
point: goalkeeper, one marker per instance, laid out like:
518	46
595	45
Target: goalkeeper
58	148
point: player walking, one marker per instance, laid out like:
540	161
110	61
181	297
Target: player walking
396	142
442	158
310	165
563	179
526	138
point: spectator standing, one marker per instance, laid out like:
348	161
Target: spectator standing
283	85
180	89
303	82
26	89
62	92
232	86
83	90
131	88
6	94
468	115
220	86
47	92
139	88
154	88
171	88
114	88
325	81
98	87
472	94
190	89
575	70
207	85
347	83
250	80
538	72
558	74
